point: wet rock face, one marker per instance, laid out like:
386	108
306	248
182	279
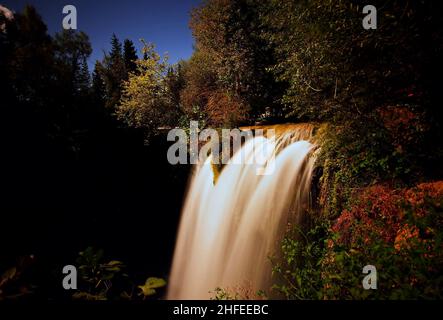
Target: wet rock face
316	187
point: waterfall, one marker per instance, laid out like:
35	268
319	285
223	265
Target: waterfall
229	230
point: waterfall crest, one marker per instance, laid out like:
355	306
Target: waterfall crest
229	230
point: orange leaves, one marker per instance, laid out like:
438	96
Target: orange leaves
376	210
416	196
380	212
225	108
220	106
404	236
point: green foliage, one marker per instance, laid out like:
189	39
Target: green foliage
114	72
261	60
300	268
222	294
333	67
96	276
72	50
241	292
310	60
387	144
98	86
148	101
52	114
235	58
399	232
107	280
148	289
129	55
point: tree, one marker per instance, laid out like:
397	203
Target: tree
83	79
116	48
98	85
72	49
31	57
334	68
203	99
229	33
146	100
114	72
129	55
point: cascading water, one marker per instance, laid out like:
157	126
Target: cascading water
229	230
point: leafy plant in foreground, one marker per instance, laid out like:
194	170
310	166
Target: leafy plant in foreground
96	275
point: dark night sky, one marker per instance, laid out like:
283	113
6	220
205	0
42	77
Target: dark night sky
163	22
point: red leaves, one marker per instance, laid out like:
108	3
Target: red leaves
404	236
416	196
375	211
379	212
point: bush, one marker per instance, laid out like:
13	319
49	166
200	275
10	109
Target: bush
399	231
299	270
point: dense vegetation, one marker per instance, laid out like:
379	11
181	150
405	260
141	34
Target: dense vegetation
73	176
378	92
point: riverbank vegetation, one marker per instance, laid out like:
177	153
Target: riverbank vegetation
378	92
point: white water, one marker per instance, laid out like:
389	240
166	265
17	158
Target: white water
229	230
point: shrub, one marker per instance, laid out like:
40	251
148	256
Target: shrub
399	231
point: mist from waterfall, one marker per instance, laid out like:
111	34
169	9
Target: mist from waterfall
229	229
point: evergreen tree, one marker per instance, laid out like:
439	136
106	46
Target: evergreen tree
114	72
129	55
83	78
98	85
116	48
72	50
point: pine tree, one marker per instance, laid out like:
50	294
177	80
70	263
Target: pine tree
98	85
129	55
114	72
116	48
82	78
72	50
